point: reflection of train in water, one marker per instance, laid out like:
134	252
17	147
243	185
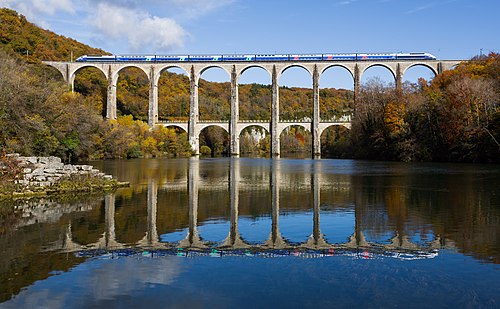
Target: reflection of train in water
274	57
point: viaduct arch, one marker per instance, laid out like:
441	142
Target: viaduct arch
234	126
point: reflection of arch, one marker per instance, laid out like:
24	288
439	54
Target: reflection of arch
426	65
336	65
379	65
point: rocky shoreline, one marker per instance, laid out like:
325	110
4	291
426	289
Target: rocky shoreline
40	176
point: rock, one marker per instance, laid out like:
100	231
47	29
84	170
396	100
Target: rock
32	160
87	167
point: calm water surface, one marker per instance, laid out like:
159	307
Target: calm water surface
225	233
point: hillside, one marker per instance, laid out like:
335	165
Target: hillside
26	40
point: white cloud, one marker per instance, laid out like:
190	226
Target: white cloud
143	31
37	9
146	25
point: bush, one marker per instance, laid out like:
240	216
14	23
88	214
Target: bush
205	151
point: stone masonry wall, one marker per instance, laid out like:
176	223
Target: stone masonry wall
41	172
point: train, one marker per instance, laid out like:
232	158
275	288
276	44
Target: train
256	57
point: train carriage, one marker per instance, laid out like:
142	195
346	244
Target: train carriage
258	57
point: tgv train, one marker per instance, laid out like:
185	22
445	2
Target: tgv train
271	57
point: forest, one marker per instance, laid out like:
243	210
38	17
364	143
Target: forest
455	117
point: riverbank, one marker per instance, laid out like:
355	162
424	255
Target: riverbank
41	176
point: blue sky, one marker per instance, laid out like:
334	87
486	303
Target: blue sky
449	29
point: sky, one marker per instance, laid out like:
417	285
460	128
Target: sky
448	29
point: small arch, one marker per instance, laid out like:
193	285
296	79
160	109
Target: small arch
335	141
172	139
216	138
255	139
381	68
295	139
175	126
263	126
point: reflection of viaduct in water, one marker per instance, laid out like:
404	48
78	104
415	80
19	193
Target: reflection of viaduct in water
234	240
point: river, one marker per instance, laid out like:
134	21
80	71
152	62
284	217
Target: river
250	232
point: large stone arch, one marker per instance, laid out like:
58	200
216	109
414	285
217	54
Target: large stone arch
340	65
296	109
248	109
140	105
423	64
181	101
75	70
162	69
221	110
116	74
244	69
203	69
298	65
383	65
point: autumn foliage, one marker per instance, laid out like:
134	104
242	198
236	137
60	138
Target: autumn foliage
455	117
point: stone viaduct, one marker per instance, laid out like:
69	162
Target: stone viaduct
235	126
